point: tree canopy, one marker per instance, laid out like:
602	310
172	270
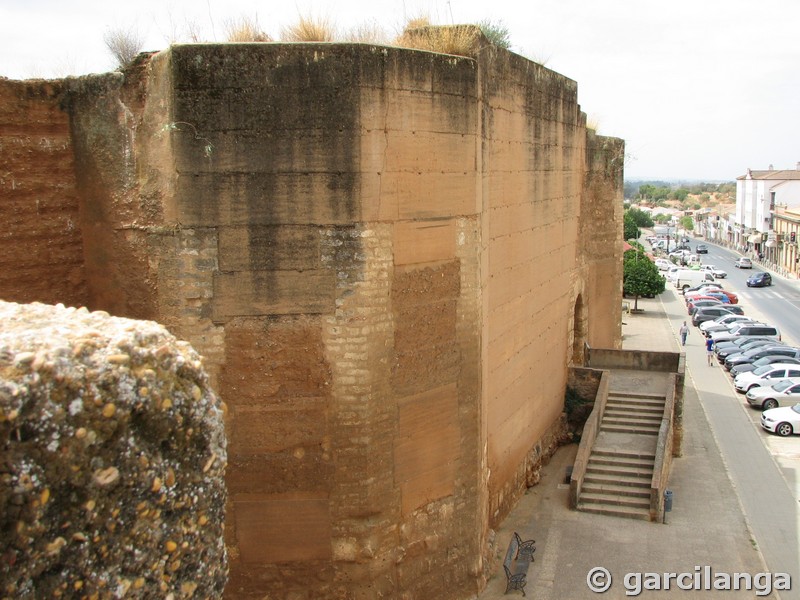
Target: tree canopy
640	276
630	230
641	217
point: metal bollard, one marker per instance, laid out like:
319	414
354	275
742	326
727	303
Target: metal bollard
667	503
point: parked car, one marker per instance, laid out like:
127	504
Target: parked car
761	279
686	278
701	249
725	296
705	294
748	330
766	360
709	313
715	271
784	393
743	263
748	356
722	323
716	295
663	264
784	420
701	289
702	302
679	253
672	273
765	376
724	349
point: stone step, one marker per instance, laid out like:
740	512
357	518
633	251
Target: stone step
613	471
625	429
614	500
634	410
646	420
624	461
649	456
617	403
643	395
616	489
601	479
616	511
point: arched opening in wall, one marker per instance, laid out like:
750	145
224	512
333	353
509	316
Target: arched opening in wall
578	333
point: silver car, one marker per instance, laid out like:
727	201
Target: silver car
783	393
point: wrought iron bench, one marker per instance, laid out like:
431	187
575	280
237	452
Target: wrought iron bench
518	557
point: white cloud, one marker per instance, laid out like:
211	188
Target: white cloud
697	89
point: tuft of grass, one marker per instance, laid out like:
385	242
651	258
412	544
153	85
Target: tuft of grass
593	123
461	40
309	29
124	45
496	32
368	32
245	29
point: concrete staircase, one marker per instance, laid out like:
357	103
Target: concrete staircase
639	413
620	467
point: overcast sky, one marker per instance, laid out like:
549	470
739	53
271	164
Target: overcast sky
698	89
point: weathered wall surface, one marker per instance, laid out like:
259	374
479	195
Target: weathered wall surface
41	247
532	177
113	466
600	240
378	252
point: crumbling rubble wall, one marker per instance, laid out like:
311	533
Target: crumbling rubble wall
113	457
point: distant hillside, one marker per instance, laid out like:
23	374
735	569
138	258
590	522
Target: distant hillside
680	195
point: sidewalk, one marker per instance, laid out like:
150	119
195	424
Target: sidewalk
705	528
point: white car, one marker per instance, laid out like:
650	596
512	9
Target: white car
717	273
663	264
672	273
783	393
722	323
783	421
765	376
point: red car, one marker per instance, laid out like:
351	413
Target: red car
732	298
701	302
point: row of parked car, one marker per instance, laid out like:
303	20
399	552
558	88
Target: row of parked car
763	368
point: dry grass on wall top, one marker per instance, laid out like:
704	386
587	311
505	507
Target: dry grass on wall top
310	29
460	40
245	29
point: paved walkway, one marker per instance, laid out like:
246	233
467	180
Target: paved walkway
706	527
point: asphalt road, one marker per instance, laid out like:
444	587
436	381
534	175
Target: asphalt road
778	304
765	469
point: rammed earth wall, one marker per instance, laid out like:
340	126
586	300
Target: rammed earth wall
388	257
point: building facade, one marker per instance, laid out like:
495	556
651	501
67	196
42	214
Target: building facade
758	195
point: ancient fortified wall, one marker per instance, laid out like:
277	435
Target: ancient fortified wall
388	258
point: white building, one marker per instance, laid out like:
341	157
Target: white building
758	193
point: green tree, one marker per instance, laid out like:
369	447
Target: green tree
647	191
640	217
661	193
687	223
680	194
640	276
630	229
